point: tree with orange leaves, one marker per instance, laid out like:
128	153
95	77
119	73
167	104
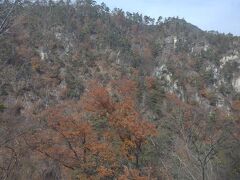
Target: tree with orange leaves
72	142
97	100
98	135
122	117
131	129
132	174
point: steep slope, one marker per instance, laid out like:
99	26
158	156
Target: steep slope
187	82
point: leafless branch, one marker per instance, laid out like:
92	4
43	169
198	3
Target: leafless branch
5	22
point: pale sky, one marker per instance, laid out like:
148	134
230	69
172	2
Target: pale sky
219	15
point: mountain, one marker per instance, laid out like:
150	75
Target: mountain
89	93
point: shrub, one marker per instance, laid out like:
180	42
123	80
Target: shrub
2	107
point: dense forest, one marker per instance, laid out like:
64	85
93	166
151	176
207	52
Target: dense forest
92	93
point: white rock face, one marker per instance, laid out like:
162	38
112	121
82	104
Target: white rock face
206	47
160	70
172	40
216	73
220	102
236	84
43	55
226	59
172	85
175	42
58	35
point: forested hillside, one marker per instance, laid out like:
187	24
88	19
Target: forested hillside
92	93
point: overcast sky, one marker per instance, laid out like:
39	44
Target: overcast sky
219	15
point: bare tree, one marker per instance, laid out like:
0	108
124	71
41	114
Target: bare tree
6	14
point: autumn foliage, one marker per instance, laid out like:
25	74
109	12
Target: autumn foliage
98	136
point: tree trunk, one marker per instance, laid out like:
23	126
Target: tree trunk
203	172
137	160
